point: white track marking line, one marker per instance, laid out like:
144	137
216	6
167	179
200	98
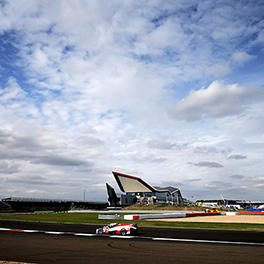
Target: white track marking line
206	241
84	234
21	230
116	236
12	230
32	231
54	233
4	229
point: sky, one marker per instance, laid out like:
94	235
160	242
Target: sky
169	91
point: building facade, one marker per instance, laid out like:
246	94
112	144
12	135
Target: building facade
138	191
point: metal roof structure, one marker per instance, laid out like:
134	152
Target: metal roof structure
128	183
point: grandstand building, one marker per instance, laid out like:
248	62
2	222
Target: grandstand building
21	204
138	191
229	204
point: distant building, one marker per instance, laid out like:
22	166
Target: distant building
139	192
21	204
229	204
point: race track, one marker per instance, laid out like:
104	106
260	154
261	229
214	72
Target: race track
67	248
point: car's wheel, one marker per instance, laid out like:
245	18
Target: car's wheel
123	232
100	231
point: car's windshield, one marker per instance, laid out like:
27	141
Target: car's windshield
112	225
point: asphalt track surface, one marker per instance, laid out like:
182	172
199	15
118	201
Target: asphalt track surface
69	248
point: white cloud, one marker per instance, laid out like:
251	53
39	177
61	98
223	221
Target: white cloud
86	87
168	35
223	69
209	164
219	70
237	157
218	100
241	57
8	167
11	92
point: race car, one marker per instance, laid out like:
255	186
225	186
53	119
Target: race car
118	229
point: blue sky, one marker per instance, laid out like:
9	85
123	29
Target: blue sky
170	91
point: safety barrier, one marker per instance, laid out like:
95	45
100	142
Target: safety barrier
201	214
256	210
111	216
251	213
165	216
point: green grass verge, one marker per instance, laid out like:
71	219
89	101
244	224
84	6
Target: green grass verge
224	226
92	218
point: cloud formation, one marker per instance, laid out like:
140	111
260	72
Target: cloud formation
241	57
208	164
237	177
216	101
159	144
84	90
237	157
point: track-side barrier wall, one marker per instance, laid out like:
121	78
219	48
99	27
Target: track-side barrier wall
251	212
164	216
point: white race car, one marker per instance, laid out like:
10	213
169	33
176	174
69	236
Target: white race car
118	229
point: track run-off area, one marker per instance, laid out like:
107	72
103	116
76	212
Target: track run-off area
74	243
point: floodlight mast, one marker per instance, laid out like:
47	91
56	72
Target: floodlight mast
223	199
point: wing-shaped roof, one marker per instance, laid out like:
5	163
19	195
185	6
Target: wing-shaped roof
129	183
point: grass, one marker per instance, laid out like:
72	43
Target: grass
84	218
224	226
92	218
